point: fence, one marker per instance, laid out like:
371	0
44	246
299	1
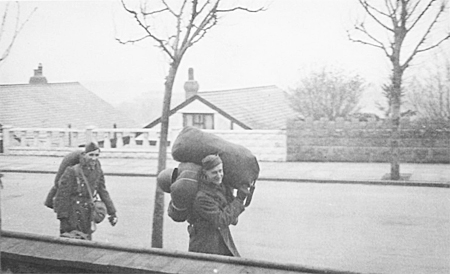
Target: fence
267	145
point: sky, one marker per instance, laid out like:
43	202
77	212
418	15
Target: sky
75	42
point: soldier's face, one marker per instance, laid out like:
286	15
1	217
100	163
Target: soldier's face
92	157
215	174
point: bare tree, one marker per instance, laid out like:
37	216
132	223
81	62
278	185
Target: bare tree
10	26
327	93
412	28
174	27
429	95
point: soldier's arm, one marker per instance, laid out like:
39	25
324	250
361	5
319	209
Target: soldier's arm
209	210
104	195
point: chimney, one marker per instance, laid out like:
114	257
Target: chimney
191	86
38	77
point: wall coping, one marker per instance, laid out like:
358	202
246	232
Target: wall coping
95	256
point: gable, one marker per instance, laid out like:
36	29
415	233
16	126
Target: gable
196	104
57	105
264	107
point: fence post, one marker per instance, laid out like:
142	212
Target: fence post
6	138
89	134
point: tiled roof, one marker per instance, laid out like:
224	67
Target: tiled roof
56	105
251	108
263	107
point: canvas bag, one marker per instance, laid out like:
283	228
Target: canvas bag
240	166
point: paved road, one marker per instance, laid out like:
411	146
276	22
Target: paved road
421	174
370	229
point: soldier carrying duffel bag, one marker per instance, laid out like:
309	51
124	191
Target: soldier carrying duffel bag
200	192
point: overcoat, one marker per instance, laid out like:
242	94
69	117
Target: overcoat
72	200
214	209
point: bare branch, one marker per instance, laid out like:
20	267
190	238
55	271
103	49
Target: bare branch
377	44
132	41
178	16
412	10
421	14
368	9
190	24
241	8
434	45
5	16
204	25
161	42
153	12
417	48
17	29
391	9
169	9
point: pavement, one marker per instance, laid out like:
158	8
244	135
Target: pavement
432	175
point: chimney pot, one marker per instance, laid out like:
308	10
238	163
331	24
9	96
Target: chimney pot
191	86
38	77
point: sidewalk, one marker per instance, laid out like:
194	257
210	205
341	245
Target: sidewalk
329	172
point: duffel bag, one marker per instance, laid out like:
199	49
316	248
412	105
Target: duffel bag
240	166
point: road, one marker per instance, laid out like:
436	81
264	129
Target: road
369	229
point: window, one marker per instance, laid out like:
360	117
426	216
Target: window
198	120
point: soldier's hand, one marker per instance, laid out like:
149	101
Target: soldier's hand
113	219
241	194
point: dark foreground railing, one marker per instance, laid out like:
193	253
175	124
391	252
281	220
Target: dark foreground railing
30	253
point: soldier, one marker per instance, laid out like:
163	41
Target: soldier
214	209
77	186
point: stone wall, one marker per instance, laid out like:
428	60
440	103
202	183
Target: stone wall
356	141
266	145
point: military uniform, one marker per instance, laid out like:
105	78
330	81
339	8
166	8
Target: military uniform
73	202
214	209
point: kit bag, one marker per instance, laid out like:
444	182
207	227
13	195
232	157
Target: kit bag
183	191
240	166
70	159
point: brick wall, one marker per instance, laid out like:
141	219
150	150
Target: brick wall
355	141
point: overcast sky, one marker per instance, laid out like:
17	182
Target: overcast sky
75	41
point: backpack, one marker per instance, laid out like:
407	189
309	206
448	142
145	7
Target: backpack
70	159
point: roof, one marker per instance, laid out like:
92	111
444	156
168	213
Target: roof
263	107
56	105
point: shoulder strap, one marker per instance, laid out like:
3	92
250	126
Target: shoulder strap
79	170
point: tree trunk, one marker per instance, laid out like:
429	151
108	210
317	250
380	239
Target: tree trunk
395	120
158	211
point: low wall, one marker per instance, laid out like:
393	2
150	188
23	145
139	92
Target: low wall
266	145
29	253
355	141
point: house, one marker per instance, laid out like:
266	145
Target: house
40	104
256	108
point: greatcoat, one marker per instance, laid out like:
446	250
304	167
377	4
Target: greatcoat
214	209
72	200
